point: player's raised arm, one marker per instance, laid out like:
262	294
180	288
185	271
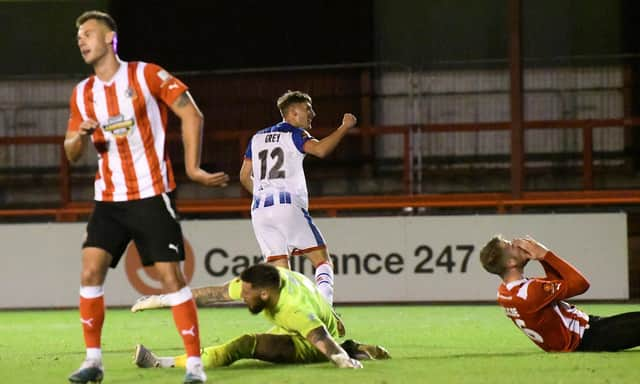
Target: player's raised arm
328	346
191	123
322	148
556	267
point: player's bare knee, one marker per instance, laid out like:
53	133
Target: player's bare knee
170	276
281	262
318	258
92	275
95	263
327	261
172	284
317	261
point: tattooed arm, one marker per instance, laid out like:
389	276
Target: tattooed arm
211	295
203	296
191	123
328	346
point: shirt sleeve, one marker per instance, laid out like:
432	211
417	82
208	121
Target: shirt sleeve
299	137
557	268
75	117
549	271
247	153
162	84
235	289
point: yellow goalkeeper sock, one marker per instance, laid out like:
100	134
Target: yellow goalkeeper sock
241	347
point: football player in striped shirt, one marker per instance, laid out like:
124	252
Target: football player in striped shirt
537	306
273	172
122	109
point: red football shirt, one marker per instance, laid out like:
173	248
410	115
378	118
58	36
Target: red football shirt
536	307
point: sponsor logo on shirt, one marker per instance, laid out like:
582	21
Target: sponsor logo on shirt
118	126
164	75
551	288
167	80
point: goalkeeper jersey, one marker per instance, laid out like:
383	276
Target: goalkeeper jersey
300	308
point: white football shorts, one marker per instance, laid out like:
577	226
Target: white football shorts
284	229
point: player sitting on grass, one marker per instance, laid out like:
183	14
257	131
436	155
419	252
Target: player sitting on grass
536	306
305	324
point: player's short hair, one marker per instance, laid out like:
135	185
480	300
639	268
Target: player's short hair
261	276
99	16
492	255
292	97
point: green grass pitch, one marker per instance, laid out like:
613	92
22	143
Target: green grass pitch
428	343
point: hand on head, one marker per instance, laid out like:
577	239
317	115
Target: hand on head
531	248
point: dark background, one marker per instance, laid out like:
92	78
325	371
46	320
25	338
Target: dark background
190	35
38	38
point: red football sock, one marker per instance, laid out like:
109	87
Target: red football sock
92	318
185	317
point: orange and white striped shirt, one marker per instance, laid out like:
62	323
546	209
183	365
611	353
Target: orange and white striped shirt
536	306
131	110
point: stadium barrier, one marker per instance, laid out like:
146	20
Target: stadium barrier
376	259
331	205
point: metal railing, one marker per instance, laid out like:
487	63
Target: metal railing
410	166
502	201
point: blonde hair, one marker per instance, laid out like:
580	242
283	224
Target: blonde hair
492	255
291	97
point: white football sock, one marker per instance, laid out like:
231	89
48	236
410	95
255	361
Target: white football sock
324	281
192	361
94	354
167	362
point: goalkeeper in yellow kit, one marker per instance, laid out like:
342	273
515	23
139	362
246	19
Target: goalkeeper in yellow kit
305	326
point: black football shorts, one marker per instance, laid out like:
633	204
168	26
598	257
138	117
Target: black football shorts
151	223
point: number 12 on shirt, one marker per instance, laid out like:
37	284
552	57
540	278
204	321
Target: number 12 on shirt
276	171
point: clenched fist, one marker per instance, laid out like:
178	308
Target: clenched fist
349	120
